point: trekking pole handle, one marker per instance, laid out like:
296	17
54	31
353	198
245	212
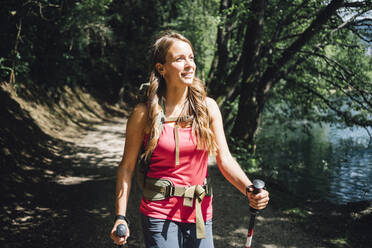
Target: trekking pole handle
121	231
258	185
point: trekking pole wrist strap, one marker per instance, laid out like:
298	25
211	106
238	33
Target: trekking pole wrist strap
249	190
122	217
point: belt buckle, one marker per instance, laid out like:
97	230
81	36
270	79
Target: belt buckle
169	191
207	190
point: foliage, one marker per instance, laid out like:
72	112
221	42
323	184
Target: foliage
52	43
297	59
302	56
250	162
99	44
198	21
296	159
329	82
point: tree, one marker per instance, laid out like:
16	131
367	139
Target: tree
99	44
197	20
52	43
288	44
135	26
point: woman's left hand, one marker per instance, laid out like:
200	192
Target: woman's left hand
258	201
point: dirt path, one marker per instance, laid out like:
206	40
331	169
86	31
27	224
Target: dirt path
76	209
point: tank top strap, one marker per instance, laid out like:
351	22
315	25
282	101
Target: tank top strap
177	120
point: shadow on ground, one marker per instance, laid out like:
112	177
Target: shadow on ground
53	193
61	194
56	193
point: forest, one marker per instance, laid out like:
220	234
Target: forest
292	78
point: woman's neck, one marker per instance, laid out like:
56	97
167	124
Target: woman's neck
175	97
175	100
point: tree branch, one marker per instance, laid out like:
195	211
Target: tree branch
346	93
358	4
220	59
363	37
291	16
251	48
364	20
15	52
348	80
346	116
323	16
370	136
348	22
253	44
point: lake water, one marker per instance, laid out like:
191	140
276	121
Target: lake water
352	175
331	163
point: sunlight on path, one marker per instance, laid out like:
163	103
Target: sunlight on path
106	143
71	180
101	147
108	140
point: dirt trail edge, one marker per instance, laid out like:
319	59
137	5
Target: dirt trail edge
76	208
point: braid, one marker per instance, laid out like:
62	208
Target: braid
204	134
154	113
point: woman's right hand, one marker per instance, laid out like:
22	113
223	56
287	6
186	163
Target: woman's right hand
119	240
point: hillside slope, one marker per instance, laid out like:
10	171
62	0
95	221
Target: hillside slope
37	130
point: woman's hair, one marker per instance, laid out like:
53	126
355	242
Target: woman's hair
195	98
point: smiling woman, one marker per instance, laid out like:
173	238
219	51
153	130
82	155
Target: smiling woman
179	66
177	128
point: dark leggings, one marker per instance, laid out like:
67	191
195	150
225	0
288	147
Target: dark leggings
160	233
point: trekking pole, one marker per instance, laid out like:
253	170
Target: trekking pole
121	231
258	185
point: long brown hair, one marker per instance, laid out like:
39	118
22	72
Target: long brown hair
195	98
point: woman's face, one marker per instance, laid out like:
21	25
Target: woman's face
179	67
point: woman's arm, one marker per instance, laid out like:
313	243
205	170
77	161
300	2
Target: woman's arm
135	131
227	164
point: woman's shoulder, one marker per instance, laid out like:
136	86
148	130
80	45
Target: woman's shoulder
211	104
210	101
140	109
139	115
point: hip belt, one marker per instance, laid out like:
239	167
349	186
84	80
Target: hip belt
156	189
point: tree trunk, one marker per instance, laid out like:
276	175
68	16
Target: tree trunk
12	78
251	99
217	73
255	84
251	103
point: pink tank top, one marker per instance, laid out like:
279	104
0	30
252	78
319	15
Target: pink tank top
192	170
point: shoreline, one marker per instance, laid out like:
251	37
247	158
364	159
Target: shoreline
337	225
